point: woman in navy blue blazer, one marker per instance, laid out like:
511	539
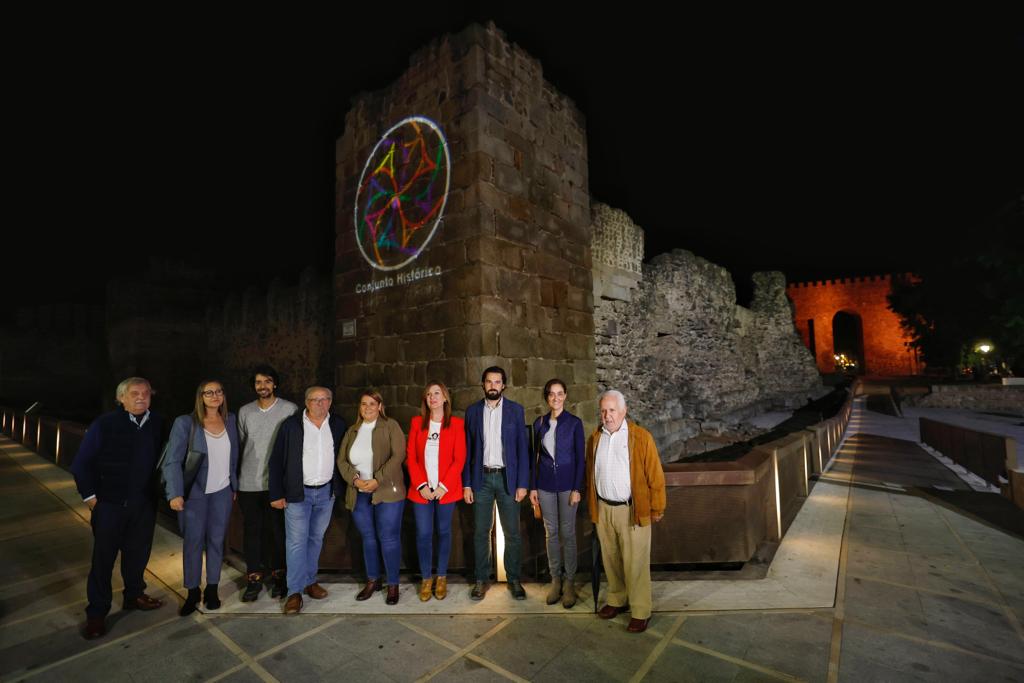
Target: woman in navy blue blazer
556	479
205	509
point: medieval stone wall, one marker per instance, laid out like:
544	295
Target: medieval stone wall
686	356
55	354
287	325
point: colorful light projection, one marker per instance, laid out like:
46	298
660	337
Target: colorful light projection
402	193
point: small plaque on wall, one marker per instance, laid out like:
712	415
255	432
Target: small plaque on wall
348	328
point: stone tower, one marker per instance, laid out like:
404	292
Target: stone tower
504	277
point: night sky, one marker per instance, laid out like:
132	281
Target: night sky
820	146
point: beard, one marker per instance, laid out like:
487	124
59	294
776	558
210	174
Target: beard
492	395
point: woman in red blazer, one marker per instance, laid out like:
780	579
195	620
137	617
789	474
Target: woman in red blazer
435	455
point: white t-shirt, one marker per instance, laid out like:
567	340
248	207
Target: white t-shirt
430	454
361	454
218	468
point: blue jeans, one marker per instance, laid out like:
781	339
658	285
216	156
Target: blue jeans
427	514
304	525
493	491
380	526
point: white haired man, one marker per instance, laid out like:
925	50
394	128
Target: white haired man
625	494
115	471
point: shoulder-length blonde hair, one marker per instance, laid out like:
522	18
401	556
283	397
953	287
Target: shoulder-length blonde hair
200	412
375	395
425	409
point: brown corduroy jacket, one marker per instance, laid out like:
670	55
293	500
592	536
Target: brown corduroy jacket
646	478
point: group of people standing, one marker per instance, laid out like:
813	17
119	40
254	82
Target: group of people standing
285	466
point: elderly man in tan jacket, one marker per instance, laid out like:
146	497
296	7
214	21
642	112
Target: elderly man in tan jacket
625	493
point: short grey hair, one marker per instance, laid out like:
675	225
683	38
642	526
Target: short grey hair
310	390
125	384
612	393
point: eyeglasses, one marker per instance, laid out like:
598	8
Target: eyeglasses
323	399
210	393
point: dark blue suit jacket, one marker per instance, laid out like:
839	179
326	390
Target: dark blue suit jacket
285	465
513	439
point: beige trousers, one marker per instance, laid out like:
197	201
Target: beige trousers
626	553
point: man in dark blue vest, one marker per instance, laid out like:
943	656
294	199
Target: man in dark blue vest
115	470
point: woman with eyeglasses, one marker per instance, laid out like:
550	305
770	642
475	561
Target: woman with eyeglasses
204	509
370	460
435	457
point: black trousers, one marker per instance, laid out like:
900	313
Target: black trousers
127	529
262	532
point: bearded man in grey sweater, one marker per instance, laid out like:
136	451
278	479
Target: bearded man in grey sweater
263	536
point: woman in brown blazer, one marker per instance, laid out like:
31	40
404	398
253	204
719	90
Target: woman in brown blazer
370	461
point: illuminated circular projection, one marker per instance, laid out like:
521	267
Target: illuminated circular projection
402	193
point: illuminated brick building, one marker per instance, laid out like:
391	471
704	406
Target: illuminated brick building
852	316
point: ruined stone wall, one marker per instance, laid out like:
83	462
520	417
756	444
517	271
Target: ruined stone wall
685	355
510	267
618	253
886	350
176	332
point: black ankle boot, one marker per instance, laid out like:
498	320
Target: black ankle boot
280	584
210	598
190	602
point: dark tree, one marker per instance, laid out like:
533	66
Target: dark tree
974	295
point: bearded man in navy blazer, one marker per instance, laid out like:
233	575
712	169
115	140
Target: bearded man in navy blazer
497	471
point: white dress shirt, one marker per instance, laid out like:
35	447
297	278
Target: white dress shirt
317	451
493	456
611	465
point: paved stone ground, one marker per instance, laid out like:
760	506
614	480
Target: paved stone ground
925	592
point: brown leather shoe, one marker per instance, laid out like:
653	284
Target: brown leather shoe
426	589
441	587
293	605
95	627
143	602
392	598
638	625
368	590
316	591
611	611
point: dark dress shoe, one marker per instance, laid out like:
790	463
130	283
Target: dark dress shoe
316	591
479	591
280	581
253	586
517	590
95	627
191	601
210	597
638	625
368	590
143	602
293	605
392	598
611	611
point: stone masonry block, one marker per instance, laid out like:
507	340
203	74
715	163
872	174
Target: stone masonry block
515	342
423	346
